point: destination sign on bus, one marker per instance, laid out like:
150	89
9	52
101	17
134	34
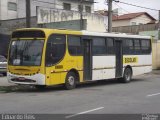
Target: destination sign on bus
130	60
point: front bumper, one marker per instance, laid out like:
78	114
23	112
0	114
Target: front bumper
37	79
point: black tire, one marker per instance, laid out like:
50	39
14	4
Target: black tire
70	81
4	74
127	75
40	87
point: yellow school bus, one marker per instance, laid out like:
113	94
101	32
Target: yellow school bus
45	57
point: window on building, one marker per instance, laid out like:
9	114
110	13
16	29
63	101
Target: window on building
88	9
66	6
133	23
79	8
12	6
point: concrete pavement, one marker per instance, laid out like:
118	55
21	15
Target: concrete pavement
4	82
106	97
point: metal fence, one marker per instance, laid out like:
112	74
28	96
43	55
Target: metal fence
135	29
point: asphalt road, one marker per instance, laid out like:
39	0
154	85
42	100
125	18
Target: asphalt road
142	95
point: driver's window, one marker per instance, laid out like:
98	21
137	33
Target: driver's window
56	47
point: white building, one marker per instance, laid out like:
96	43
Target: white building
11	9
8	9
44	10
138	18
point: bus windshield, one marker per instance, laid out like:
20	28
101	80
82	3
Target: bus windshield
26	52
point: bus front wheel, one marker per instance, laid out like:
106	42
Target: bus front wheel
70	82
127	76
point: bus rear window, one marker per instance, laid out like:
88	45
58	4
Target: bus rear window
28	34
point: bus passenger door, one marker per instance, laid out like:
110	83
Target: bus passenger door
119	58
87	59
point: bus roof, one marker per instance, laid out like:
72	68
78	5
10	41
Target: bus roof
121	35
86	33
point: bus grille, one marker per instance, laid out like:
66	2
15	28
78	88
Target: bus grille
24	80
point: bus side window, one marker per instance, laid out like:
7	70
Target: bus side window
137	46
56	47
110	46
75	45
99	46
145	46
128	46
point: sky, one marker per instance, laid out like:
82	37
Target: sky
154	4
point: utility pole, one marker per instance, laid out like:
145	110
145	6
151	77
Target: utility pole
81	15
0	12
109	16
159	26
28	14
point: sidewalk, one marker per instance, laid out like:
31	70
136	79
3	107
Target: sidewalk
4	81
155	72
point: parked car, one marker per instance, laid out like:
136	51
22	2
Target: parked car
3	65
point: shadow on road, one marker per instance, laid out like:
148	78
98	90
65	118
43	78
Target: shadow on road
90	85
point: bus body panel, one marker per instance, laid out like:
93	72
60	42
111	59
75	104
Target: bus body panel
56	74
103	66
140	63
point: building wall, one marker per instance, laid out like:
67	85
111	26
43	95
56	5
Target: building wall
143	19
153	33
22	6
5	13
58	4
95	22
72	24
121	23
7	26
74	5
156	55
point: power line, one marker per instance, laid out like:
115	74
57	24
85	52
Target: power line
60	5
136	5
45	2
130	12
121	8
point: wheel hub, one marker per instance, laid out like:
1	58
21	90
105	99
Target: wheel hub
71	80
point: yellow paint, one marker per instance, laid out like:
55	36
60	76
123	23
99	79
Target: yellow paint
55	74
130	60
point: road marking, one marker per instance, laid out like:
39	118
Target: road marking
153	94
88	111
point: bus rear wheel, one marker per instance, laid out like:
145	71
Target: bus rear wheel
127	76
70	81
